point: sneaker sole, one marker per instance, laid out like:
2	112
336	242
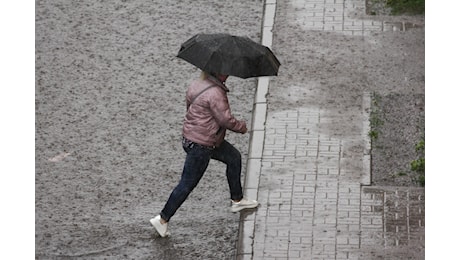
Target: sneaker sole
234	210
156	228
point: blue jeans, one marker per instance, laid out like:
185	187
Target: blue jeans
195	165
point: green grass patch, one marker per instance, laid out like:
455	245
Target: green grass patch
418	165
406	6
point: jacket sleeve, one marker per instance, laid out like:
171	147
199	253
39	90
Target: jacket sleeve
222	114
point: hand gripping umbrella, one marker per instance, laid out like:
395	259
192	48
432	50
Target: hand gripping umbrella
229	55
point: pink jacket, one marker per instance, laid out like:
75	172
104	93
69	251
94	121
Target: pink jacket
209	116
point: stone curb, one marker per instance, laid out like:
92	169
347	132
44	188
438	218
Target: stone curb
254	164
366	177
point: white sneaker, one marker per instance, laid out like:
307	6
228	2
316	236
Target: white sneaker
243	204
162	229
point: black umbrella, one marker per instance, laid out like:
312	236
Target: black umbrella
229	55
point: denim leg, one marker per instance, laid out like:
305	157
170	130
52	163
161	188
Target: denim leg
229	155
195	165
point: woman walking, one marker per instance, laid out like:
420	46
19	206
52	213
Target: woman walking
206	121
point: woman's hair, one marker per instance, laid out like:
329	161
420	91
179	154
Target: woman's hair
204	74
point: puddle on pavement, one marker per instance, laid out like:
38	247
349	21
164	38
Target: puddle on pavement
400	26
402	212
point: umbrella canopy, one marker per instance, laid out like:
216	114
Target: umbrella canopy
229	55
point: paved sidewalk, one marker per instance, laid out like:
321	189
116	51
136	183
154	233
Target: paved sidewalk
309	163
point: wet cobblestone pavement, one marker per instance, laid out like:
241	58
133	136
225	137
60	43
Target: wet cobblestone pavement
312	165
